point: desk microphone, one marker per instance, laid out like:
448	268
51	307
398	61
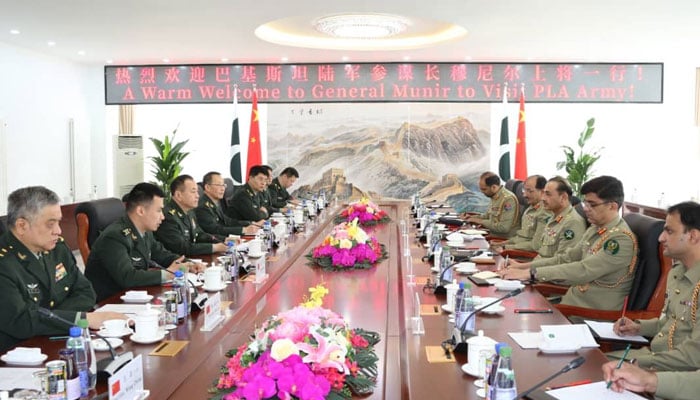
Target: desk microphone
573	364
461	334
440	288
106	367
198	300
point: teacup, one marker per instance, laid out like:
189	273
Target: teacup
115	326
146	323
298	216
136	294
213	277
255	248
451	292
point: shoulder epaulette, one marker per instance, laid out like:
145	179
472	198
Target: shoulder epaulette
209	204
126	231
61	239
172	211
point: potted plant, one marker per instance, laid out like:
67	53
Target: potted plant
167	164
578	163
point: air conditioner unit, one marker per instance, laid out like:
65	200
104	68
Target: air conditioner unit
128	163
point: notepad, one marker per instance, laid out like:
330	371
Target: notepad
605	331
595	390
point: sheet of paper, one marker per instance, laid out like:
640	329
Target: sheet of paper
18	378
575	333
595	390
128	309
605	331
527	340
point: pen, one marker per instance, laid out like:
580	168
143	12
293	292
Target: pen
59	337
624	308
619	364
533	311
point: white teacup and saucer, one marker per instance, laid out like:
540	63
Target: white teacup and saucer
115	328
147	329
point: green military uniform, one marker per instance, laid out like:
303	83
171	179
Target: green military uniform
561	232
212	219
279	196
120	259
531	227
27	282
502	217
676	333
266	201
180	233
245	205
674	385
600	267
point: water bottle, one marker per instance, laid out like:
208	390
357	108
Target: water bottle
504	384
183	294
268	238
76	342
89	352
233	265
464	309
491	372
305	207
434	240
445	262
290	221
458	304
72	378
437	253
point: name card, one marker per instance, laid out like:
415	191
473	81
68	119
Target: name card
127	383
212	312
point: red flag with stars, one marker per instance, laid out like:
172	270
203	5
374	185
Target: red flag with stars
520	143
254	151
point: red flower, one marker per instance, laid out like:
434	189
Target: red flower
358	341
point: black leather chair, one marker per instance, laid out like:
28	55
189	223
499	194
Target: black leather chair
3	224
92	217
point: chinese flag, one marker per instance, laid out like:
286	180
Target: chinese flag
520	143
254	151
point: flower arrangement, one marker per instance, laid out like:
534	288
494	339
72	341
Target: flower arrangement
365	211
347	247
305	353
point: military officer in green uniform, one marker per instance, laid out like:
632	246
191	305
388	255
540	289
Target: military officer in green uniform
37	269
246	204
565	228
265	196
127	254
180	232
533	220
676	333
279	196
600	268
503	216
669	385
210	215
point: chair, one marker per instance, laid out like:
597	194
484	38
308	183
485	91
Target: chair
3	223
92	217
646	298
231	189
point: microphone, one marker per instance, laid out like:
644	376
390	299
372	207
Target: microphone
106	367
573	364
199	300
460	334
440	288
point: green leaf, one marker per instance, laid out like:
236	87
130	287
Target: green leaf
578	163
167	165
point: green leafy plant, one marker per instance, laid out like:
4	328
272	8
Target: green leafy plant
167	165
578	163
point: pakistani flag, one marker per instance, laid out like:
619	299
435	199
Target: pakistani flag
235	143
504	149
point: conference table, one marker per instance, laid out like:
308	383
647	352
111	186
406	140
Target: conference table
379	299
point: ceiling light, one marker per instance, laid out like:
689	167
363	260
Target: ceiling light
284	59
109	61
81	52
50	43
361	26
166	60
224	59
344	58
14	31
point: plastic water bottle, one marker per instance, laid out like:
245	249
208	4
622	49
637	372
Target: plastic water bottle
290	221
445	263
434	239
183	294
437	253
458	304
269	238
504	384
89	351
233	266
491	372
76	342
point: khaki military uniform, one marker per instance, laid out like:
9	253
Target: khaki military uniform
27	282
676	333
212	219
531	226
674	385
561	232
245	205
180	233
279	196
120	259
600	267
503	216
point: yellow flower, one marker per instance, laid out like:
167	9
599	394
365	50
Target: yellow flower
316	299
283	348
345	244
370	210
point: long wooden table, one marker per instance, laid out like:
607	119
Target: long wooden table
378	299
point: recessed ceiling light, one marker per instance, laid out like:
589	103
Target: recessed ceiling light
406	58
284	59
50	43
344	58
81	52
166	60
14	31
361	26
224	59
109	61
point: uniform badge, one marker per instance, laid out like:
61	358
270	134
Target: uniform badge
569	234
172	211
126	231
60	272
507	206
611	247
33	289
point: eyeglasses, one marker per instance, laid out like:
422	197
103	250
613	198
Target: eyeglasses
223	185
590	204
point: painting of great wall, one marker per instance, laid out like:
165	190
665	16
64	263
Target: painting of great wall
349	151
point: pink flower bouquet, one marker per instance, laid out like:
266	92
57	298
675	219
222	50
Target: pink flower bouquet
347	247
365	211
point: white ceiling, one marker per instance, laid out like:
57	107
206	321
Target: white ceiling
185	31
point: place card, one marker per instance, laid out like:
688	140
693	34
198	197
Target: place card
436	354
169	348
212	312
430	309
421	280
127	383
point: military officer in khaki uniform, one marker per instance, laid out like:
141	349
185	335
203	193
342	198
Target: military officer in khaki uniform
246	204
533	220
279	196
37	269
503	216
180	232
669	385
126	254
565	228
211	217
676	333
600	268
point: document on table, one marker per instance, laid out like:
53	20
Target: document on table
18	378
605	331
128	309
577	333
527	340
596	390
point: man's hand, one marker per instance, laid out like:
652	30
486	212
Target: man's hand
251	230
218	247
176	264
625	326
629	377
497	248
475	220
516	274
95	319
513	264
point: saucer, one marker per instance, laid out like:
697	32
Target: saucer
100	345
446	308
547	348
24	362
108	334
494	309
215	289
508	285
466	269
257	255
154	339
467	369
137	300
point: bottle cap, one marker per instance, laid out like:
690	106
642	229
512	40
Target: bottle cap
75	331
83	323
461	286
505	351
178	274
